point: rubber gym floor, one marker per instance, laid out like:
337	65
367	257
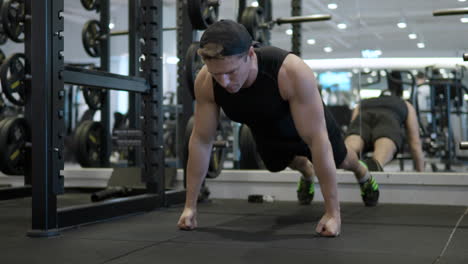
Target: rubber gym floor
235	231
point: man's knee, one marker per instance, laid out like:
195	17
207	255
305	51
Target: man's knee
300	163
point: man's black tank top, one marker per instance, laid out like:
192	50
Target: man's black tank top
388	104
260	106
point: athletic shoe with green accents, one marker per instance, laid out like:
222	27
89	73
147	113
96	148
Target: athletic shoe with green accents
305	191
369	190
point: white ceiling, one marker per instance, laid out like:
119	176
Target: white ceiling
371	25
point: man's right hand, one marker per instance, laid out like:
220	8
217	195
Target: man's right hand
188	219
329	225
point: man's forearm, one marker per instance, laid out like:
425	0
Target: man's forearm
197	166
326	173
418	158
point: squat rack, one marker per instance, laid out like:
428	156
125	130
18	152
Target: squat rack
46	72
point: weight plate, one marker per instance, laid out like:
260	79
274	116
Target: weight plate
202	13
94	97
14	134
90	4
13	13
3	35
2	56
218	154
249	158
91	38
193	64
253	19
88	143
12	76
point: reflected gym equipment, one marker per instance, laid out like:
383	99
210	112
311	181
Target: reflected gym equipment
90	5
12	77
254	20
203	13
13	19
218	151
94	97
193	64
92	34
14	138
87	143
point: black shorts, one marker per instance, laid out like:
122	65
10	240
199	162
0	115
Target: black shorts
277	155
372	126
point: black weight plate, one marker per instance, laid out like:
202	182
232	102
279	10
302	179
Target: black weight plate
90	4
14	134
3	35
13	14
2	56
202	14
12	76
218	154
94	97
91	38
193	64
253	19
218	157
88	144
249	158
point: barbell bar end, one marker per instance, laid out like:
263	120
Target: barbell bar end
302	19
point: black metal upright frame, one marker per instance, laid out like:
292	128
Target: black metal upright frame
44	28
296	10
185	36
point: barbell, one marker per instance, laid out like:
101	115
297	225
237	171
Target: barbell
92	34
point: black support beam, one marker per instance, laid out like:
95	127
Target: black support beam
94	78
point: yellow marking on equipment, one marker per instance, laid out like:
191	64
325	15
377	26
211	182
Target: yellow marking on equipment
15	84
93	139
15	154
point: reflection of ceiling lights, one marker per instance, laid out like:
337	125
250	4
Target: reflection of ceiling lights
401	25
461	0
289	32
328	49
254	4
464	19
111	25
412	36
332	6
342	26
311	41
421	45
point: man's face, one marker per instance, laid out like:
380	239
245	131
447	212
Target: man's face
230	72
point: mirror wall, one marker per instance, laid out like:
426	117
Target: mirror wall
352	56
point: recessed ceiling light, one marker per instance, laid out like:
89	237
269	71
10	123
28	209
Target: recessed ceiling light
254	4
332	6
461	0
412	36
311	41
289	31
464	19
111	25
328	49
342	26
401	25
421	45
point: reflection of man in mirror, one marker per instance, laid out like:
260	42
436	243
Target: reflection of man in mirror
379	125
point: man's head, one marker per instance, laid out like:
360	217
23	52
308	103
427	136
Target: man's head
395	85
226	49
224	38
